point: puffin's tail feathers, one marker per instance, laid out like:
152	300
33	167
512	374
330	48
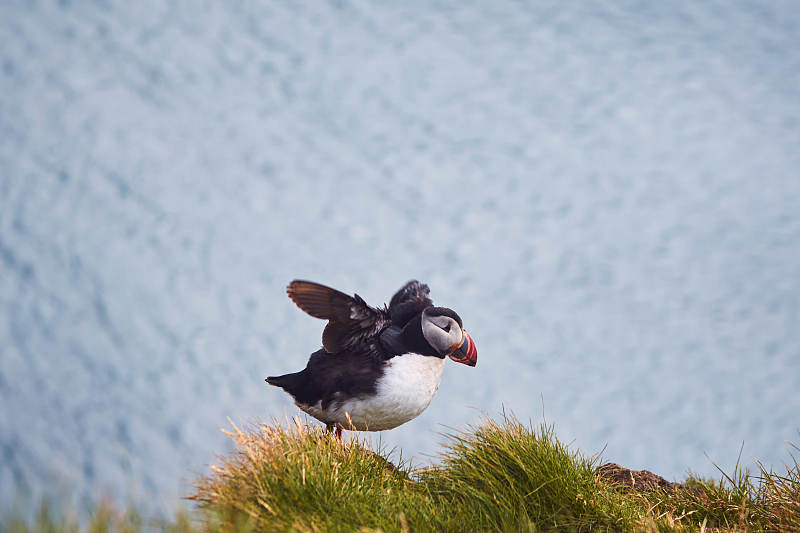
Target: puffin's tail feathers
288	382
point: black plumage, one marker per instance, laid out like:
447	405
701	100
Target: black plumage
327	377
356	342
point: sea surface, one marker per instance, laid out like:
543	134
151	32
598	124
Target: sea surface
608	193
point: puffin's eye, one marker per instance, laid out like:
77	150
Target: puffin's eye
447	328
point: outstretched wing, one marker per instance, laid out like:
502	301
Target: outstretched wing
350	320
410	300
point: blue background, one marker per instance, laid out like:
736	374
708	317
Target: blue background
607	193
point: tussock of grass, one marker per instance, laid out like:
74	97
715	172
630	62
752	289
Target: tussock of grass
510	477
299	477
497	476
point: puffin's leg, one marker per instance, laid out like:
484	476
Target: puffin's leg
339	432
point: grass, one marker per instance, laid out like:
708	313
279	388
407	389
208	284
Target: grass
497	476
104	518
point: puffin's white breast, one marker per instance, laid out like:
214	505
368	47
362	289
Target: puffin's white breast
405	390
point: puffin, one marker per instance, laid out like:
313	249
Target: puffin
378	368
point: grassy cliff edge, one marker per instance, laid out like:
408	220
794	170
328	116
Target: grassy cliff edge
499	476
496	476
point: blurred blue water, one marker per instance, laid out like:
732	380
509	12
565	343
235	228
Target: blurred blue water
608	194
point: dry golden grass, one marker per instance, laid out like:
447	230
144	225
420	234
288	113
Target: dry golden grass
497	476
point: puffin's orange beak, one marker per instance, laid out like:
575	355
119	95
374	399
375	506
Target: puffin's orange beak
466	352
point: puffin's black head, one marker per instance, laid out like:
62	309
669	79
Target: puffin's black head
444	331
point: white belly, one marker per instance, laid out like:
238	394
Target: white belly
405	390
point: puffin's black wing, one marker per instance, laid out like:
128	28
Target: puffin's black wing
350	320
409	301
